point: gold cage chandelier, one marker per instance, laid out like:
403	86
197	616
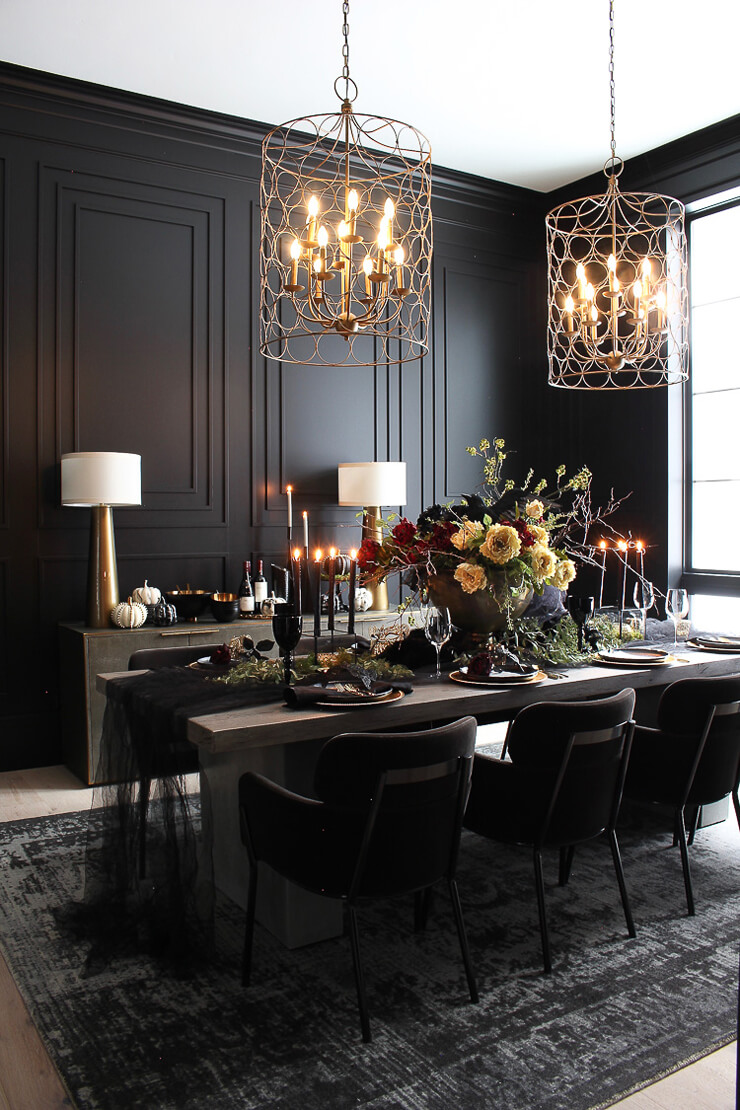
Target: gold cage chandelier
346	245
617	284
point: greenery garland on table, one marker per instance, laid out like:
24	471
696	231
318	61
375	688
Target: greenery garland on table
362	666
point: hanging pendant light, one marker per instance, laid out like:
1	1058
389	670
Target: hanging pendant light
346	247
617	284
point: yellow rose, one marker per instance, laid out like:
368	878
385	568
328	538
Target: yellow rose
564	573
543	561
541	535
535	509
470	577
501	544
468	531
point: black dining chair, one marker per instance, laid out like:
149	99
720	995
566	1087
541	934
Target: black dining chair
561	786
181	758
385	821
691	759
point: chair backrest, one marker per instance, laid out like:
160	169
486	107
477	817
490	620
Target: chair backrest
151	659
707	710
576	754
409	791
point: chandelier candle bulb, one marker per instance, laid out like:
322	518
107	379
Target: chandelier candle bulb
352	204
313	211
398	258
569	308
367	266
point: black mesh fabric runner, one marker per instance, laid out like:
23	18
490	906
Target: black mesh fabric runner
148	880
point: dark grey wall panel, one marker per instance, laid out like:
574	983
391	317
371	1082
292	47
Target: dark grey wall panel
132	337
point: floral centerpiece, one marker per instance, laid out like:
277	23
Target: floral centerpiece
485	556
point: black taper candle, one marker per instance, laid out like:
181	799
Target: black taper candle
352	590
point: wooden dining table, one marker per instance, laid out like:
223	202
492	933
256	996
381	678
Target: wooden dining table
282	743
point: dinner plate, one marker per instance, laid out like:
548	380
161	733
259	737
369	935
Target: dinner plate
364	701
636	657
504	679
715	646
207	664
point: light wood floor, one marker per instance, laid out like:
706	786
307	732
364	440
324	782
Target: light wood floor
29	1081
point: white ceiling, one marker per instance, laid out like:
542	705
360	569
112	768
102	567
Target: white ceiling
517	91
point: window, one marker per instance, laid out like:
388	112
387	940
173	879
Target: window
714	425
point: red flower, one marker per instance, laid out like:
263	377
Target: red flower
524	533
443	530
404	532
481	664
368	554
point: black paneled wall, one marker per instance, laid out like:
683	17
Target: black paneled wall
129	323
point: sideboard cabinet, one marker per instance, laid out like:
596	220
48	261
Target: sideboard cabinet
87	652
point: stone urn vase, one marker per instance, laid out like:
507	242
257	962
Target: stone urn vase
478	614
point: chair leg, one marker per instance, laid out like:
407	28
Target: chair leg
539	882
144	788
566	862
249	927
681	837
422	904
614	844
463	938
354	938
695	817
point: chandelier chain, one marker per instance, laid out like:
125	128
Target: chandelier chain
345	48
611	83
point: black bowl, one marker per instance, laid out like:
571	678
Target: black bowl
225	607
190	604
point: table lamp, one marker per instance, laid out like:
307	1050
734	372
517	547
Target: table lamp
100	480
371	485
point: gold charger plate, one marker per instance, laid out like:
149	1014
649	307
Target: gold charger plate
726	648
493	681
361	703
625	658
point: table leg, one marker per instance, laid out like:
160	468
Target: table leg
295	916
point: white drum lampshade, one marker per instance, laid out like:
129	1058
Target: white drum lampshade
101	480
372	485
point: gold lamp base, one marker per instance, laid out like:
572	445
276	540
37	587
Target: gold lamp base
102	575
371	530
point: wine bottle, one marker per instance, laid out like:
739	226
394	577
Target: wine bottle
260	586
246	593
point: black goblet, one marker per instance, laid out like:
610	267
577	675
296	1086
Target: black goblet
287	626
580	609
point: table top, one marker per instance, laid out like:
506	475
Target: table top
276	723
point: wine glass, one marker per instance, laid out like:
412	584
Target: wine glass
580	609
643	596
676	607
438	629
287	626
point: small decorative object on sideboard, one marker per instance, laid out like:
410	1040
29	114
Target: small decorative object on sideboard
129	614
164	613
363	599
149	596
190	604
225	607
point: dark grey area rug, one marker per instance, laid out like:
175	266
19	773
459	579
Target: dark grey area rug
614	1014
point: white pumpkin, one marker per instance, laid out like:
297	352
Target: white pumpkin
129	614
363	599
146	594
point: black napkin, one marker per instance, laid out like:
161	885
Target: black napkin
302	695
